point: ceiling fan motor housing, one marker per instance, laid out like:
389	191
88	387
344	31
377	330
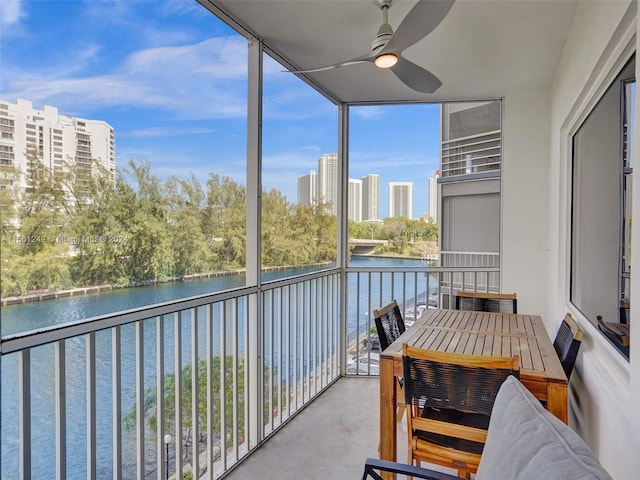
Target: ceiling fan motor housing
385	32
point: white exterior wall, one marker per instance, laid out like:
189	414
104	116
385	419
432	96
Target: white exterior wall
536	226
525	200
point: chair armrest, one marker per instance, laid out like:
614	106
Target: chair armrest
373	464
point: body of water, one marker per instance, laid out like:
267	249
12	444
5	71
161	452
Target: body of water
31	316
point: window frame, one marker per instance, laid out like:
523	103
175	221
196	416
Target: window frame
576	172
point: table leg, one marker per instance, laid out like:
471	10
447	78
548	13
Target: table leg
557	400
388	392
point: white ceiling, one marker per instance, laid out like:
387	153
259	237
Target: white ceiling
482	49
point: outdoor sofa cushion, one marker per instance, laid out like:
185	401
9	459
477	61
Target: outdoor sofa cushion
526	442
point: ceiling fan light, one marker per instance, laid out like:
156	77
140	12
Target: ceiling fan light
386	60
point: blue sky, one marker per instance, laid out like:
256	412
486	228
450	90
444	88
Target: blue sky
171	79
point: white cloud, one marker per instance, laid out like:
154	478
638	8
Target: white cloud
166	132
197	81
368	112
11	12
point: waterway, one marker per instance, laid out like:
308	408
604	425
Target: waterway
32	316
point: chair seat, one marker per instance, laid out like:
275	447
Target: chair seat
454	416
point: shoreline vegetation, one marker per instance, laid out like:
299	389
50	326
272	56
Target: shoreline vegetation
80	229
43	294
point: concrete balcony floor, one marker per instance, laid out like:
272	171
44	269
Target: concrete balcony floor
329	440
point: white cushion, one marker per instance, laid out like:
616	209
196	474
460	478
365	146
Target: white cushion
526	442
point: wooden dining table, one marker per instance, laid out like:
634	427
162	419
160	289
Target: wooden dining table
475	333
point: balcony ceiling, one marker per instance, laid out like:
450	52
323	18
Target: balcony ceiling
481	50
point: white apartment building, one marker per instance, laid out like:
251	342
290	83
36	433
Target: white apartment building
328	181
401	199
355	200
307	188
58	141
371	197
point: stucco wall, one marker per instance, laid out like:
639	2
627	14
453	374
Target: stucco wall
525	205
603	383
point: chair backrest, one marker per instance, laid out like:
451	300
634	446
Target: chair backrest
467	383
624	312
449	398
389	324
487	302
567	343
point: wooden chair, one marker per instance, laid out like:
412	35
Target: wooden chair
487	302
624	312
449	398
567	343
390	325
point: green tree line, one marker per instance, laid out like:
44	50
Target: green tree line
82	227
79	226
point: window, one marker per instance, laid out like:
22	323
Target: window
602	170
174	153
300	172
390	210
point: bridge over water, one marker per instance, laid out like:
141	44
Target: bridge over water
362	246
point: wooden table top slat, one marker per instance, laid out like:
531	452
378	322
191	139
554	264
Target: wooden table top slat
486	333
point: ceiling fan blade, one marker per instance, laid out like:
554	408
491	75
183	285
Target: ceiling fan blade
421	20
367	58
416	77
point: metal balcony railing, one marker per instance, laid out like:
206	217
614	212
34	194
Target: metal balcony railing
96	398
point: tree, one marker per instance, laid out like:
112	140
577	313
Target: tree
148	253
185	207
224	221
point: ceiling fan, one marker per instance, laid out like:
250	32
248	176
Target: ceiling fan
387	47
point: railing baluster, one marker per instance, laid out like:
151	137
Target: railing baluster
61	410
234	372
307	341
177	368
116	382
91	406
209	362
161	426
140	463
24	406
223	383
195	404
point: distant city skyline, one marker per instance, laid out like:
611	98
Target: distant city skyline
363	194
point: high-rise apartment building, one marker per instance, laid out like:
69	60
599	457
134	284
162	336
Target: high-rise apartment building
355	200
433	198
328	181
59	142
307	189
401	199
371	197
